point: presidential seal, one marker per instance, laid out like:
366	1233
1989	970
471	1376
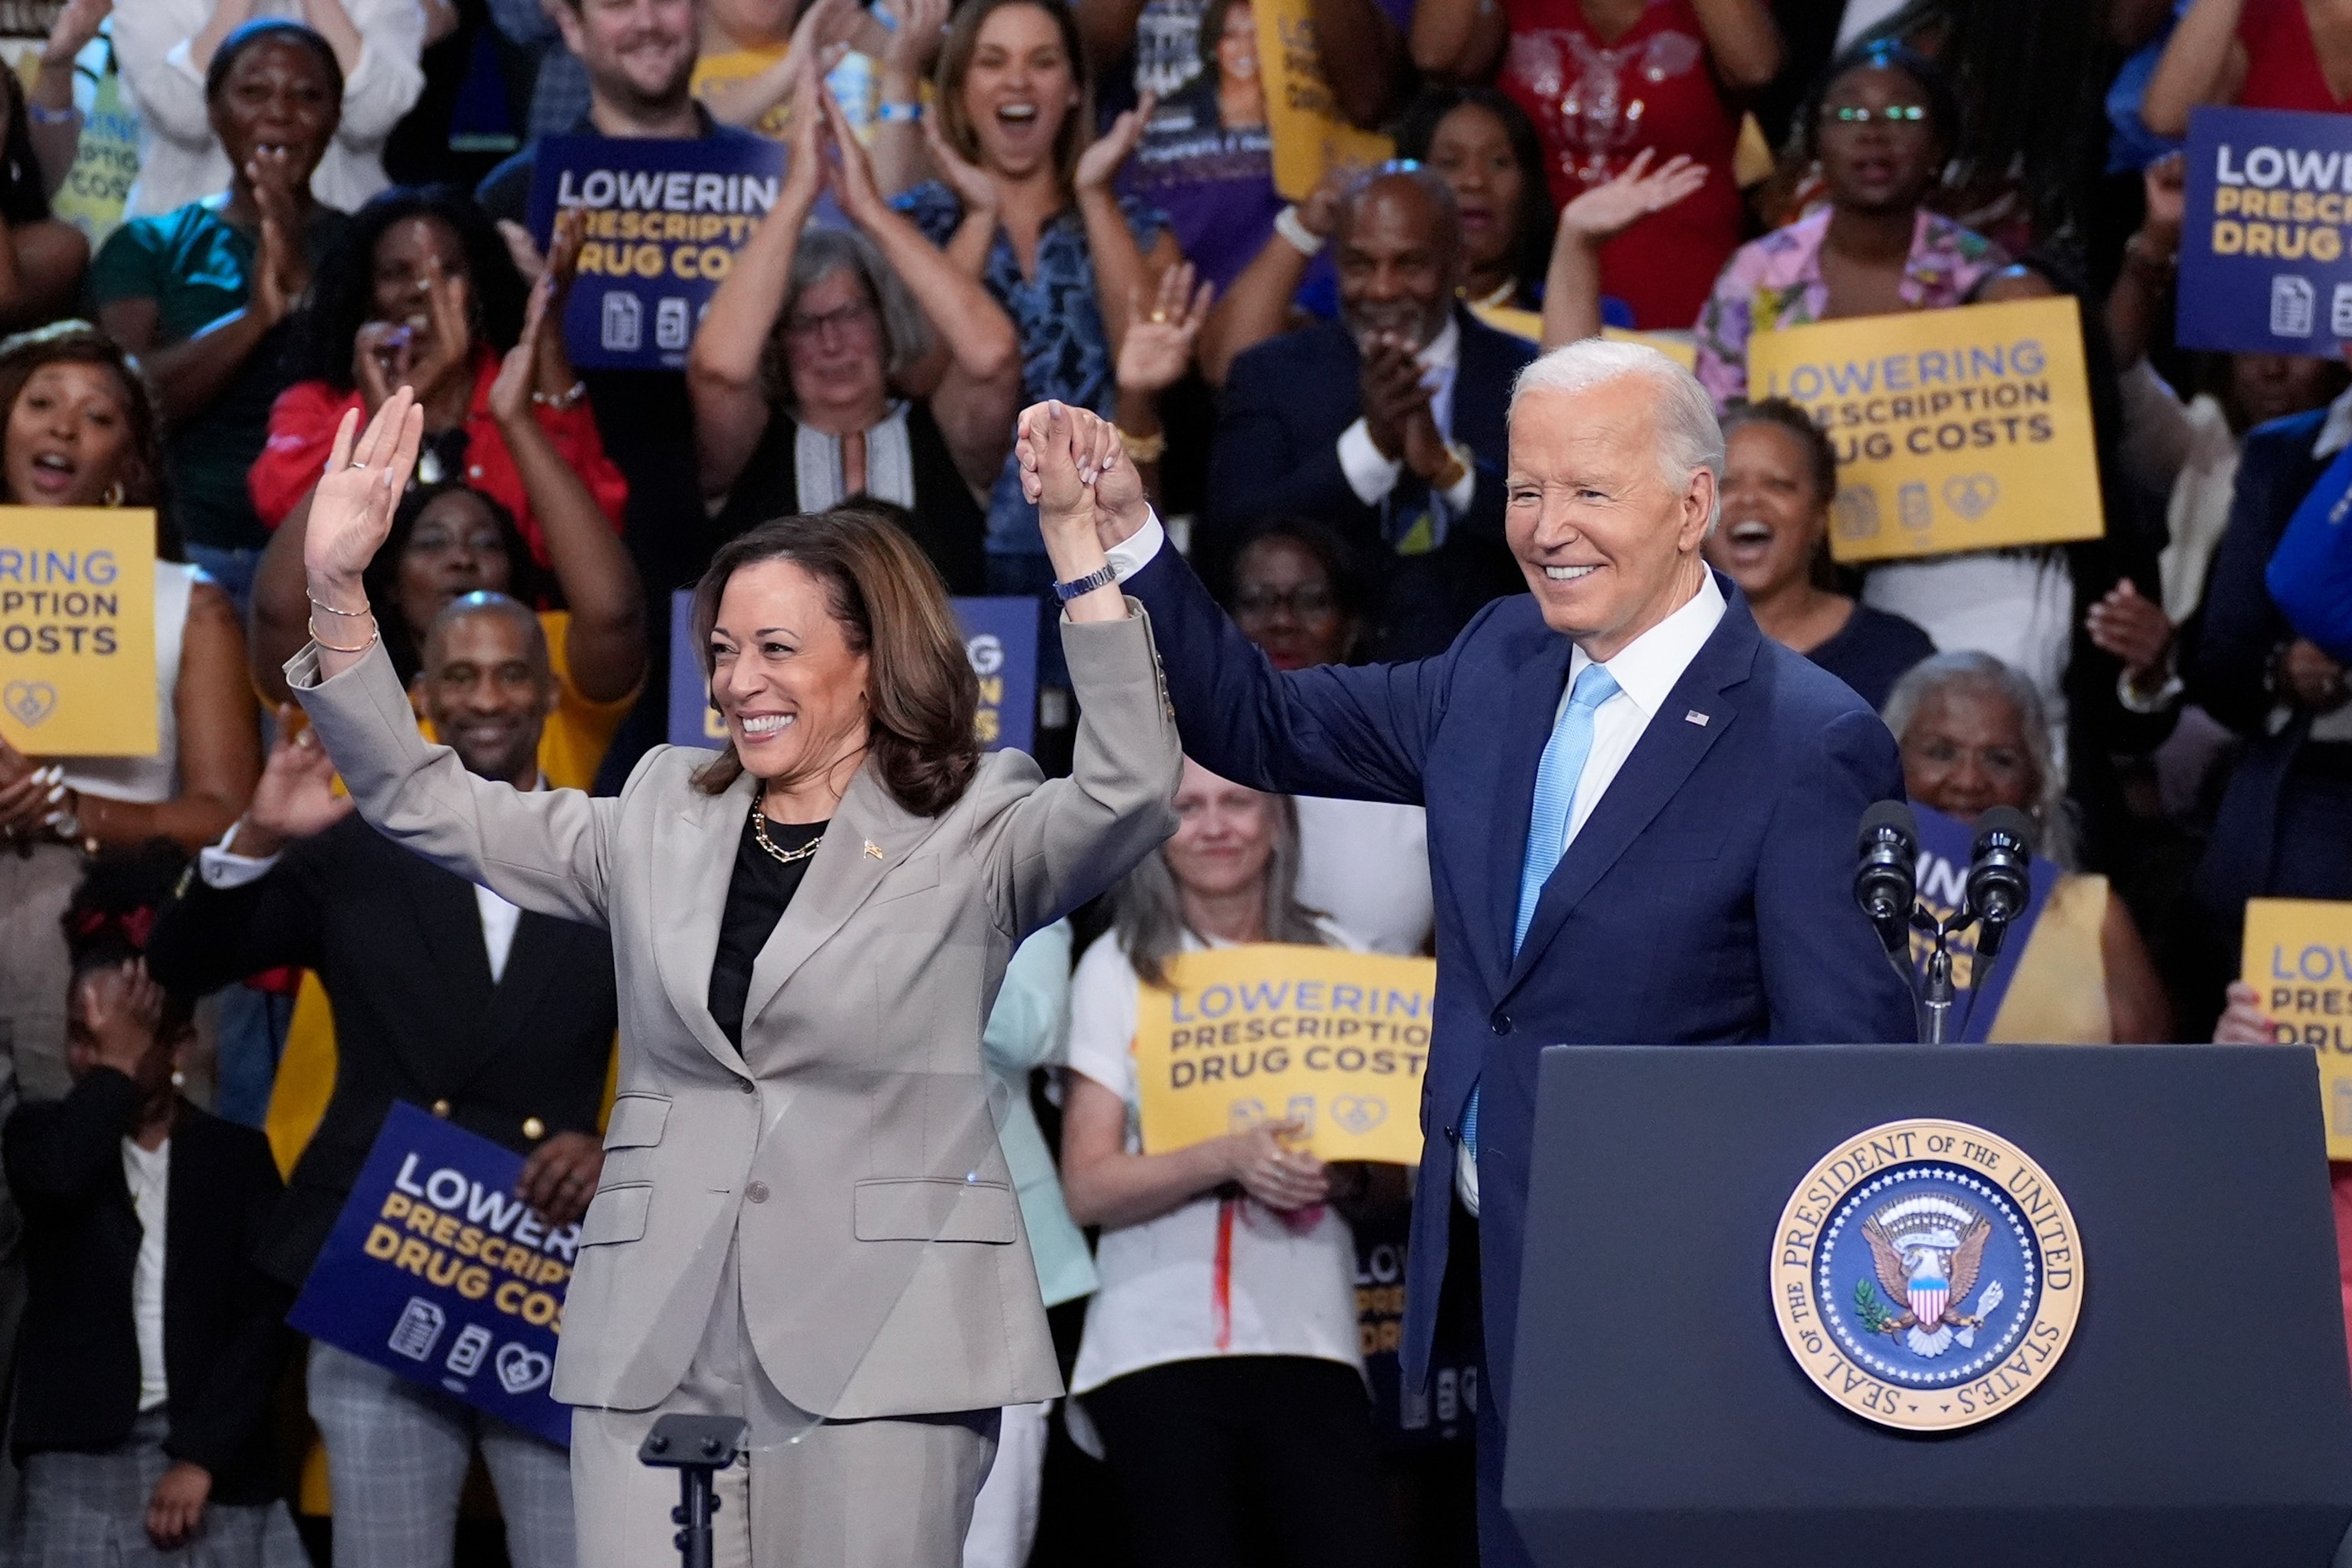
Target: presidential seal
1926	1275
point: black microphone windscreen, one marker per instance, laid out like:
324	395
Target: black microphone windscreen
2008	821
1887	814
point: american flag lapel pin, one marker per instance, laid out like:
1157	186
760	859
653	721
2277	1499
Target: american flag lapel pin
1695	717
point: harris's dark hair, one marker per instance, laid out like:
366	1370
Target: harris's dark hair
114	906
342	296
403	643
1819	456
79	342
890	604
1537	217
270	30
1883	54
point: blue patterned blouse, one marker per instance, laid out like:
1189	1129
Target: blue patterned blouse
1065	352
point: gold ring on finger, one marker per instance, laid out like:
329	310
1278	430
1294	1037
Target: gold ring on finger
1158	318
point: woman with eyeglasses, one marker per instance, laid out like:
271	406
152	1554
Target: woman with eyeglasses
1879	125
810	370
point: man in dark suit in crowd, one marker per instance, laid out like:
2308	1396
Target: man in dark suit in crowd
1641	810
1388	424
446	996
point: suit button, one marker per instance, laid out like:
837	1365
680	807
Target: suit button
746	1086
441	1109
533	1128
757	1192
1501	1022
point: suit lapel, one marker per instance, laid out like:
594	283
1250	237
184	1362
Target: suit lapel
1527	720
841	877
1669	748
534	960
694	860
449	923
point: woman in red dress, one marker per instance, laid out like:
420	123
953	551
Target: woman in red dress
2256	54
1606	80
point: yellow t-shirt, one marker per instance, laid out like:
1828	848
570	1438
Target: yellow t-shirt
724	69
570	749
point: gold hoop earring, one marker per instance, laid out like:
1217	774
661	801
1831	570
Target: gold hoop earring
113	496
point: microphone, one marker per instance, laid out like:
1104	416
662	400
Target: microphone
1884	883
2000	874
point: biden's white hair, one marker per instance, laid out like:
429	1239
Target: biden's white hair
1689	439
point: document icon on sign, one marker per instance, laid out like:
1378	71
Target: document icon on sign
2292	303
624	324
418	1331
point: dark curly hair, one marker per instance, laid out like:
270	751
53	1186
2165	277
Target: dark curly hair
79	342
405	644
888	600
270	30
114	906
1536	216
343	300
1819	456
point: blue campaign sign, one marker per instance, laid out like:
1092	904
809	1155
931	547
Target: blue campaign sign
1000	638
665	219
2265	266
1945	843
437	1271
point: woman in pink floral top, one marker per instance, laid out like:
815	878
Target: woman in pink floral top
1878	128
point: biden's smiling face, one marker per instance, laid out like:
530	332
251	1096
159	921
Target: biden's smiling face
1609	546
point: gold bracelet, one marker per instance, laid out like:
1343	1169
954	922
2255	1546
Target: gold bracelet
1141	449
319	603
338	647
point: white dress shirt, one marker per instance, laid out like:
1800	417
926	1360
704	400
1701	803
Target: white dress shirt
1373	476
180	159
148	1172
223	870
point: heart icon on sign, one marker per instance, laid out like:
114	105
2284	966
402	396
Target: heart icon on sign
29	702
522	1369
1972	495
1358	1113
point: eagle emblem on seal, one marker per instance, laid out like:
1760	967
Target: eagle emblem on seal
1927	1252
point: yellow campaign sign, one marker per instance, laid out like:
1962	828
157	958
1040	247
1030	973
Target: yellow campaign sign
1270	1031
2298	954
1310	135
77	631
1961	429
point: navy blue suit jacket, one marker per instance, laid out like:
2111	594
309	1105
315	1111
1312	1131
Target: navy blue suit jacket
1277	453
1706	899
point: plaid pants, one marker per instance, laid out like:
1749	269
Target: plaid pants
89	1510
397	1454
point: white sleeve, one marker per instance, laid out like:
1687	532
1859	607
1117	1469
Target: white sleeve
151	48
390	74
1134	553
1102	1017
1369	475
223	870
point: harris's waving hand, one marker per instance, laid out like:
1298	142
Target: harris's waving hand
351	513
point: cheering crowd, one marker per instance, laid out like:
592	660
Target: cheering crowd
217	979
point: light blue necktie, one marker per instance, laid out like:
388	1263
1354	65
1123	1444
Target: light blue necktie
1563	761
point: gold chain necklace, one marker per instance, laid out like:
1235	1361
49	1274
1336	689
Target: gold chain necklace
783	857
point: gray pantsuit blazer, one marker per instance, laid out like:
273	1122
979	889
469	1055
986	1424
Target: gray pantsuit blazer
848	1152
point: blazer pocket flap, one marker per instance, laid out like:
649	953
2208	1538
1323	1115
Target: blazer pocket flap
636	1121
936	1209
919	874
617	1213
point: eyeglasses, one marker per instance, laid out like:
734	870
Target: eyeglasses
1310	601
1854	114
845	317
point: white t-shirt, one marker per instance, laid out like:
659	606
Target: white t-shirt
1289	1292
1365	863
149	1172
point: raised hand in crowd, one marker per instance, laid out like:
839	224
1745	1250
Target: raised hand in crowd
1399	414
56	127
560	1177
976	189
905	134
2243	1022
282	274
820	38
296	797
175	1513
431	351
1120	267
1258	305
1572	287
2151	258
1155	356
2305	676
122	1009
2133	627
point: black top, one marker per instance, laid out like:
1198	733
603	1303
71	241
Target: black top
1873	651
223	1321
756	897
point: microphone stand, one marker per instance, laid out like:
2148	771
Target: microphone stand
698	1447
1936	1002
